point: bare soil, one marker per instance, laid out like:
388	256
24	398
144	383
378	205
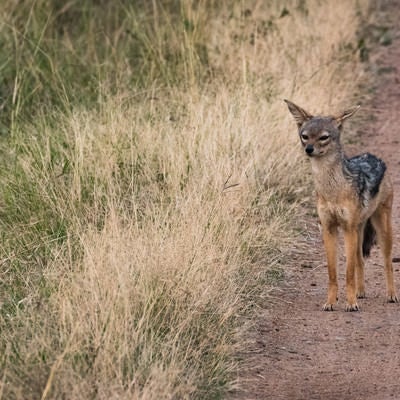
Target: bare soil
298	351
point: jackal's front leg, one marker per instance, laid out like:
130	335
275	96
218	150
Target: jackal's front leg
360	280
351	246
330	242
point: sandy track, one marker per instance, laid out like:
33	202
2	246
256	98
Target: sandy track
300	352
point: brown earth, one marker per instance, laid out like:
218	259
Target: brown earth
298	351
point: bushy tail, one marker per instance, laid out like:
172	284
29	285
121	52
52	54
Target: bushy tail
369	238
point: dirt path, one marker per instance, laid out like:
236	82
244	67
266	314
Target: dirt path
300	352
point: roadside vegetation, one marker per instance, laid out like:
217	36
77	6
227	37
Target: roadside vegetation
150	181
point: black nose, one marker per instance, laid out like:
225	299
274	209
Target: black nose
309	149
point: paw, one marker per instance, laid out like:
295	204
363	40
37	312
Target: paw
327	307
352	307
392	298
361	295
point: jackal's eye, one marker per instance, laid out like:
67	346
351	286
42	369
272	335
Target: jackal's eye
304	136
323	138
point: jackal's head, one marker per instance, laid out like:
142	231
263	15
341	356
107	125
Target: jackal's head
319	135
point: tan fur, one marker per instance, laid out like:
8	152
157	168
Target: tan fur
339	206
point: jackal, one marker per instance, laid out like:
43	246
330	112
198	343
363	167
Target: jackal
354	194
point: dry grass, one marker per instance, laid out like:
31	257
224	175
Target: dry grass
136	232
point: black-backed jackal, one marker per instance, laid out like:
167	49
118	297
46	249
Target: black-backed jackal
354	194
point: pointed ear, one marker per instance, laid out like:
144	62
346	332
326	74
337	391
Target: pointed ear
346	114
298	113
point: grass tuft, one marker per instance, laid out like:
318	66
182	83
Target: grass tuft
151	184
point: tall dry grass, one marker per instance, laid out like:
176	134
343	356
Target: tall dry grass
150	180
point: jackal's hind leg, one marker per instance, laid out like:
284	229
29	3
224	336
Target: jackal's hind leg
381	220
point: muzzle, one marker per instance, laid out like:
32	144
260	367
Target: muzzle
309	149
